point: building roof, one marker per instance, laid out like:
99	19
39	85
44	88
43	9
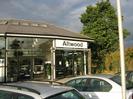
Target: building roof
13	27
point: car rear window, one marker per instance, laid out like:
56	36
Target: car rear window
73	94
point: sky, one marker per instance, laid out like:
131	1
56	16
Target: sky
63	13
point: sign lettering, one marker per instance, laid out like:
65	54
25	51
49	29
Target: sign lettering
70	44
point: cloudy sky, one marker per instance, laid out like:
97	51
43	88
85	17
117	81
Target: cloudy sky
63	13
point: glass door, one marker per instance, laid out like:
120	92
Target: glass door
69	63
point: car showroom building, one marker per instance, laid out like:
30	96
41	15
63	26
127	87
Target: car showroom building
37	50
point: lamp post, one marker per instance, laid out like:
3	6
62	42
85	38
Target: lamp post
121	45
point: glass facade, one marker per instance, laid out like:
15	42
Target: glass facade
27	57
33	59
38	51
70	63
2	59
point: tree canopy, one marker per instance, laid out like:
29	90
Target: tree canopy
100	23
113	60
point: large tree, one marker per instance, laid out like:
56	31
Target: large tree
100	22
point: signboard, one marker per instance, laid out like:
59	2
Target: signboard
70	44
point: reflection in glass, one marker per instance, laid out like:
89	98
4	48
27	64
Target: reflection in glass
69	63
2	59
26	58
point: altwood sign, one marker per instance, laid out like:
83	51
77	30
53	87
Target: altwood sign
70	44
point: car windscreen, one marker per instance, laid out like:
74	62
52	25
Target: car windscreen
129	81
72	94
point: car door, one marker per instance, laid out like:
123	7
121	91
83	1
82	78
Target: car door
96	88
82	85
129	84
92	88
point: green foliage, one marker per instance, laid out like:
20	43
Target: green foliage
15	44
48	69
100	23
114	60
16	61
129	58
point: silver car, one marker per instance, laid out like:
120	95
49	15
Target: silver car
37	90
99	86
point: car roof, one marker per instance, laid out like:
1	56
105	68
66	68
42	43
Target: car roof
104	75
43	89
84	76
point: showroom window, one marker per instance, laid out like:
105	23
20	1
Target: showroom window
27	57
2	58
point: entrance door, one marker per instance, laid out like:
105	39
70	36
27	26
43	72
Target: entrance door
69	63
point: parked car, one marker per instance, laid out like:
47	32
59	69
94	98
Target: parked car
97	87
60	71
129	78
37	90
129	82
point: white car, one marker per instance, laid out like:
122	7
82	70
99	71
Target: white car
97	87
